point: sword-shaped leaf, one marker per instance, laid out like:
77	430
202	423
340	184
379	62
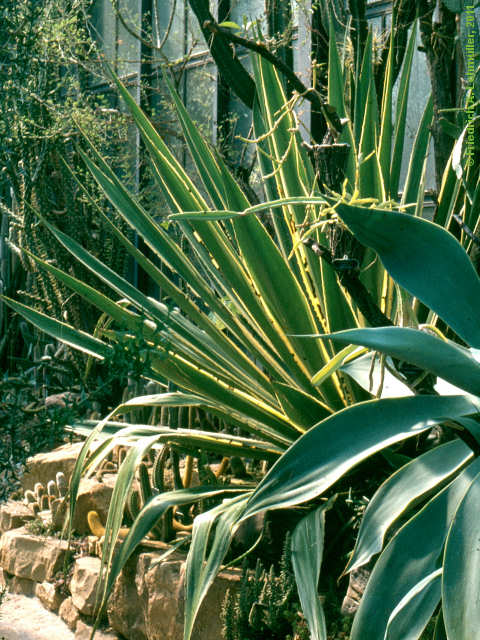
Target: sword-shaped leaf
61	330
215	526
307	552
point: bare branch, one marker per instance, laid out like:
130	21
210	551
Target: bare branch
138	36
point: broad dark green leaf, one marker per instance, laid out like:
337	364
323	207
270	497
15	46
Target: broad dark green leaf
425	259
410	617
401	491
442	357
328	450
439	632
454	5
461	573
411	556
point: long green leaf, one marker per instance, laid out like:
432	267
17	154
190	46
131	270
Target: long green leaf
257	417
183	196
401	491
208	166
401	114
450	274
170	253
328	450
236	359
61	331
410	617
302	408
442	357
200	572
148	516
103	303
370	179
336	97
117	283
307	552
385	141
411	556
188	440
121	490
154	309
416	166
461	577
178	188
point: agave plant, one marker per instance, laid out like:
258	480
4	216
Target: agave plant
433	557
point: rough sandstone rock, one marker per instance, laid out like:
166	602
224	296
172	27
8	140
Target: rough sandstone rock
4	576
16	585
69	614
84	584
33	557
14	515
161	594
49	596
83	632
61	399
147	602
44	466
125	607
92	496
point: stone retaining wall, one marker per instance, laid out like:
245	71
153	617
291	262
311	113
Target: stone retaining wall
148	599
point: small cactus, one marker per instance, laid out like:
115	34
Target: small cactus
52	490
30	498
61	482
122	452
39	490
52	499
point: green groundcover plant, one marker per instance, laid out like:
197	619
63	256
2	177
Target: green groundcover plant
233	336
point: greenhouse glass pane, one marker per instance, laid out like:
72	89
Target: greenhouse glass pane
200	95
128	45
162	20
246	9
104	27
